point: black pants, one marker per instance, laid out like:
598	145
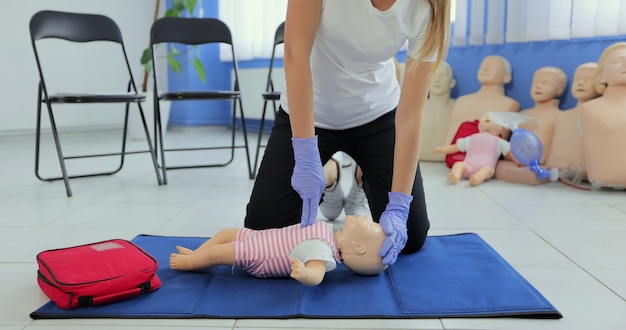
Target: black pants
274	203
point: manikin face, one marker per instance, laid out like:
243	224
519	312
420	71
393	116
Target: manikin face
614	71
545	86
359	242
442	81
486	125
492	71
583	85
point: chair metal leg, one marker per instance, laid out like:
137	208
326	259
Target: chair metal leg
261	128
258	144
233	131
251	174
152	150
159	143
123	151
161	150
57	141
65	177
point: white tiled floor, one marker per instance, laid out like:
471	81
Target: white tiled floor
570	244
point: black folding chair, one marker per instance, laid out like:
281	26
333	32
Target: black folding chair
197	31
270	95
81	28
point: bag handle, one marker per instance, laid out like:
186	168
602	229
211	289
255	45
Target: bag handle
91	301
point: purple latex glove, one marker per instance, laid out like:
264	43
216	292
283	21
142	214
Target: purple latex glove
393	223
308	177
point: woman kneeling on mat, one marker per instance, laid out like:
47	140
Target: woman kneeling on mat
342	94
303	253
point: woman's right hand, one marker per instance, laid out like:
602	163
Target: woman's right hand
301	24
308	177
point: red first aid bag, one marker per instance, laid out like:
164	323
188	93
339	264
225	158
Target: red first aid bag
97	273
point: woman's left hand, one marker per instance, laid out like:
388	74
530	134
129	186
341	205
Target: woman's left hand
393	223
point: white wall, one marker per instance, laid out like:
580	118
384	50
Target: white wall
252	85
18	72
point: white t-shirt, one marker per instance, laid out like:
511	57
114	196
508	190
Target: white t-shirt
354	80
314	249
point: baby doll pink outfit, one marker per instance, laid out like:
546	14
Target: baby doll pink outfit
483	149
265	253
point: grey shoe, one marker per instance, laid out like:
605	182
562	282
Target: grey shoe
333	198
332	202
356	201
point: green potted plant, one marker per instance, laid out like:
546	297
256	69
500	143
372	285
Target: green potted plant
179	7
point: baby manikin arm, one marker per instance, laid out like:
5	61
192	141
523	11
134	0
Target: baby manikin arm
310	274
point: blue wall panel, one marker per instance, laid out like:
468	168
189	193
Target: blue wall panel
202	113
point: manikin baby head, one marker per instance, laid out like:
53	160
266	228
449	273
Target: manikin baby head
359	242
487	125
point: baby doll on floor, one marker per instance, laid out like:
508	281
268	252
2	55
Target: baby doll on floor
482	150
303	253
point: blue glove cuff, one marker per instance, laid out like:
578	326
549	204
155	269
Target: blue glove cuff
399	201
304	147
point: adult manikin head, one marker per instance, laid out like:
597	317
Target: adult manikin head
443	80
494	70
359	242
612	67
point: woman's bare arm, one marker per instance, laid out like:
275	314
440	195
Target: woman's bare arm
301	26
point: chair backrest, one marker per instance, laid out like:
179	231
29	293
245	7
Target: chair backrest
279	38
75	27
80	28
190	31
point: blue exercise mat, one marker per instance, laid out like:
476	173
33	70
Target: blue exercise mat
452	276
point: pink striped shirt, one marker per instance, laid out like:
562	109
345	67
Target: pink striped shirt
265	253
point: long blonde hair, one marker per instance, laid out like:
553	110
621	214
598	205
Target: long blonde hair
438	38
